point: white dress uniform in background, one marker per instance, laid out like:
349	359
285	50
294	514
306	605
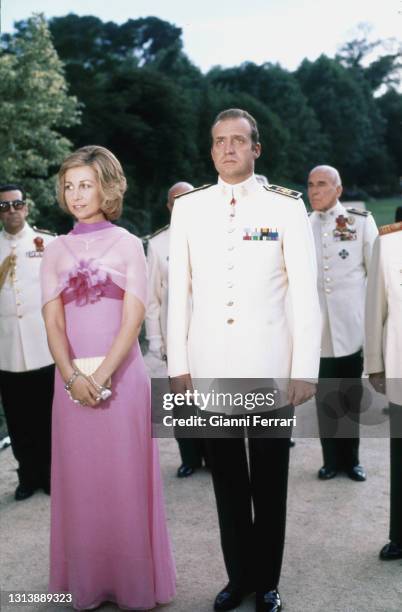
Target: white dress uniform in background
26	365
383	353
240	262
156	315
22	330
383	343
192	451
344	239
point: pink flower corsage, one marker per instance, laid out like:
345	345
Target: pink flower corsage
86	282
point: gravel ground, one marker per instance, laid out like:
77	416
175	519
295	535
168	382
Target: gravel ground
335	530
334	533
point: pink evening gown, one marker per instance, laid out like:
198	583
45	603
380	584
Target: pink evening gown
109	540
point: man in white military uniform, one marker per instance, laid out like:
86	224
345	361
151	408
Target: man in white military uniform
343	238
191	449
383	358
26	370
239	249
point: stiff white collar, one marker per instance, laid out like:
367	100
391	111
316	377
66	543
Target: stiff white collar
239	190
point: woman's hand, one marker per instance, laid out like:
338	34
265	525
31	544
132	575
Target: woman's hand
84	391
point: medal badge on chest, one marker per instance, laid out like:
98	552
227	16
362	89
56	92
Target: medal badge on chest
39	248
343	230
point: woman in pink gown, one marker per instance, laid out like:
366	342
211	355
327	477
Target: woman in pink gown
109	540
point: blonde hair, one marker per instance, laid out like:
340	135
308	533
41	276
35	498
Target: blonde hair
110	175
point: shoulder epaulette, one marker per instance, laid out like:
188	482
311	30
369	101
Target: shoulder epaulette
291	193
359	211
180	195
158	231
43	231
389	229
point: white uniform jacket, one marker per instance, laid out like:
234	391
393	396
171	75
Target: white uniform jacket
344	242
240	263
383	343
23	338
156	315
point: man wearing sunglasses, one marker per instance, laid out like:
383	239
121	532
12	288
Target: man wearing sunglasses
26	368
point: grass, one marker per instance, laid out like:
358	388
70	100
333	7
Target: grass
383	209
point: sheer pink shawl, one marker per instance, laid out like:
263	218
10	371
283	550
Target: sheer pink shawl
112	253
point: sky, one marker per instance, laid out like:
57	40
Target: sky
229	32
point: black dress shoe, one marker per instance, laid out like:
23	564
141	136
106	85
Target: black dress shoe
23	492
184	471
326	472
357	473
391	551
230	597
268	602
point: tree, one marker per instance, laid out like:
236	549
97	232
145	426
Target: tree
137	89
148	123
350	118
385	70
390	105
94	44
34	104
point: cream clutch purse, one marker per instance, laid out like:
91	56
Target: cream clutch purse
89	365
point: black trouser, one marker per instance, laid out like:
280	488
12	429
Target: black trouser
27	400
192	451
252	548
335	401
395	530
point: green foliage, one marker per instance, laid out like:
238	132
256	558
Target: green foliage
142	97
147	121
390	105
34	105
350	119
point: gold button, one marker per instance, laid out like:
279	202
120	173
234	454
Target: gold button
326	267
229	303
230	321
325	234
328	280
18	303
327	290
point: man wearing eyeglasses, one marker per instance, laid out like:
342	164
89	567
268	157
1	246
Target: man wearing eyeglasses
26	366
